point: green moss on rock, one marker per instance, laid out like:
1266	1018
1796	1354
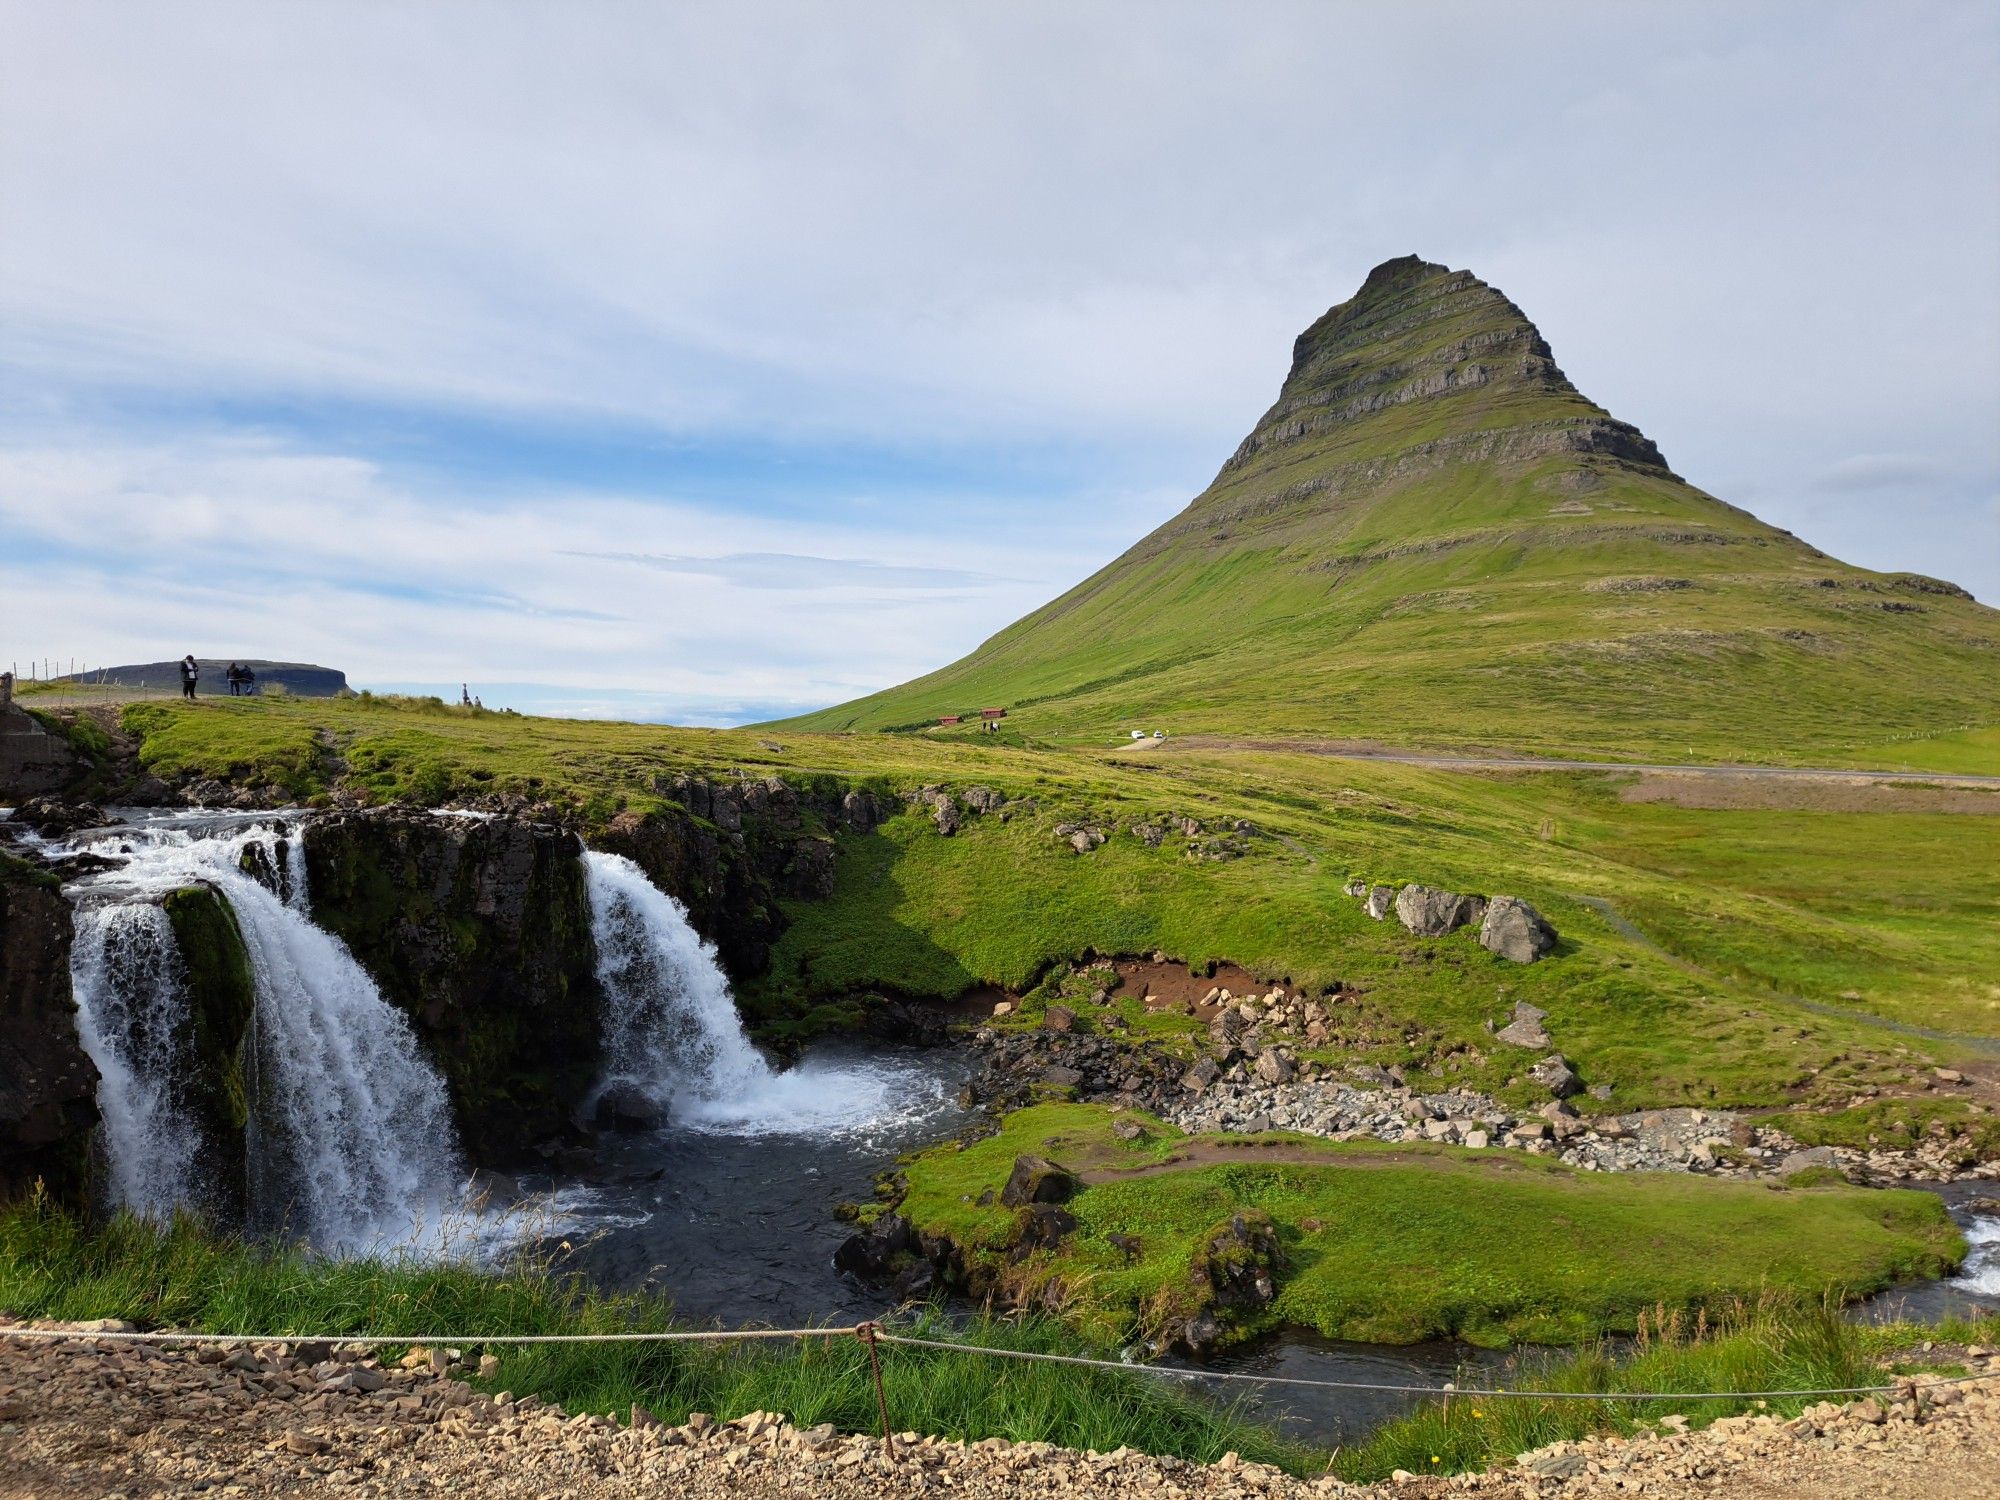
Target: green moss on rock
222	1006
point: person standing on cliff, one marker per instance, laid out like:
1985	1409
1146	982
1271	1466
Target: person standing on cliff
190	675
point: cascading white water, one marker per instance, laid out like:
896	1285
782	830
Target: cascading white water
132	1014
351	1142
1980	1275
670	1025
671	1030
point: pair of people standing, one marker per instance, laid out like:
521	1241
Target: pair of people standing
242	681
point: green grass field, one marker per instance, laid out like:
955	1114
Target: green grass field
1400	1243
1888	919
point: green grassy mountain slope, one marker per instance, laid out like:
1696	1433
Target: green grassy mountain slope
1433	538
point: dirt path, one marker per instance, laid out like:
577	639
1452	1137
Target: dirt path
1349	750
119	1421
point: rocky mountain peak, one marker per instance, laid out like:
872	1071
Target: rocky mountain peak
1419	348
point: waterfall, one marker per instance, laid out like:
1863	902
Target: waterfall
351	1144
670	1023
1980	1275
132	1018
671	1030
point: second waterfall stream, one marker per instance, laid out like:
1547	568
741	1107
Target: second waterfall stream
672	1032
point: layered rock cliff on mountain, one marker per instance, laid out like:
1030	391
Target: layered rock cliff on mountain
1432	537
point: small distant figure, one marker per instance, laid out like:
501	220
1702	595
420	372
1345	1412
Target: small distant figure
249	681
233	676
464	696
190	675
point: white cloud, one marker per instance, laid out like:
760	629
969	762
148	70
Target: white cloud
238	547
1765	234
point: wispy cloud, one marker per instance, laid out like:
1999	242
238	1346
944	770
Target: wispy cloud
1879	471
771	355
791	570
234	546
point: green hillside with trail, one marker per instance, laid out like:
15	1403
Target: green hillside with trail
1432	538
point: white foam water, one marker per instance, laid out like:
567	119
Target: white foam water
1980	1275
351	1143
132	1015
672	1032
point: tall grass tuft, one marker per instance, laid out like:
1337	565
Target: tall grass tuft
1773	1344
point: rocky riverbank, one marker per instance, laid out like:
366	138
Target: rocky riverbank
1254	1075
105	1418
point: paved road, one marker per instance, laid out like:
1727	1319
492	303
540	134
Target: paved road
1342	751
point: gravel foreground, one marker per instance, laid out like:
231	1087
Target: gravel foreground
107	1418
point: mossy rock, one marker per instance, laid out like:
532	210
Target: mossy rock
222	1007
1036	1179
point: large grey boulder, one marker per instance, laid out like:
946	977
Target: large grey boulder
1515	930
1274	1067
1380	899
1556	1075
1036	1179
1429	912
1526	1029
857	810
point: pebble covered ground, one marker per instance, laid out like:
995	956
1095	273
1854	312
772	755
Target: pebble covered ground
106	1418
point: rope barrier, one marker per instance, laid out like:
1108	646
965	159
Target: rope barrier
1182	1372
692	1336
871	1334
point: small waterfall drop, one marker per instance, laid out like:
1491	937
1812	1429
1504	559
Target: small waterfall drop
671	1030
132	1012
1980	1275
351	1144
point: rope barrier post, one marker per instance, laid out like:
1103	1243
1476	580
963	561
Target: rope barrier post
866	1333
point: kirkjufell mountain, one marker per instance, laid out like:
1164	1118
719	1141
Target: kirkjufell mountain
1433	538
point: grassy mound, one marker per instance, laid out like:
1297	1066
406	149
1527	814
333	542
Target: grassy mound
1400	1243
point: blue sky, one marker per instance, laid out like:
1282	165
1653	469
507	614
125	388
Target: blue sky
709	363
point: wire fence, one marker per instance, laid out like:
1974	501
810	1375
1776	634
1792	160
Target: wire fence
874	1333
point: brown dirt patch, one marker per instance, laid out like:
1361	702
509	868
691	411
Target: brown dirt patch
1169	986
